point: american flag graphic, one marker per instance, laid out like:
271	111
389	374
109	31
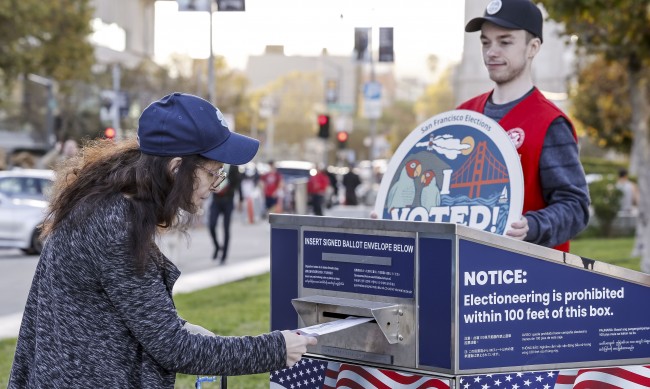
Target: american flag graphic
624	377
315	374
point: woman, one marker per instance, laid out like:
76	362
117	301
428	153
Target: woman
100	309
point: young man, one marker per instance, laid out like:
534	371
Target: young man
556	196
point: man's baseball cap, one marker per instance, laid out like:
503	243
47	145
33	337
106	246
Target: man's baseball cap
181	124
511	14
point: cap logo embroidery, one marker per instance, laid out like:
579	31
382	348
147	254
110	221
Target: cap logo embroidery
493	7
222	119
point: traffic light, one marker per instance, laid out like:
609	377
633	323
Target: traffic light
342	138
109	133
323	126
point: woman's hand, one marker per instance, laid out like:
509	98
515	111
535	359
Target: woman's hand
296	346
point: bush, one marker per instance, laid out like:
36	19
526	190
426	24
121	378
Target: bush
605	201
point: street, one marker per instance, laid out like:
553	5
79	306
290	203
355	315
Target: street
248	255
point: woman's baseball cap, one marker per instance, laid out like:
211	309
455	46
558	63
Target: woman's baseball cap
511	14
181	124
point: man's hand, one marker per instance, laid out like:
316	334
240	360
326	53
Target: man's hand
519	229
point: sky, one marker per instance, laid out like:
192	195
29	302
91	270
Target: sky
306	27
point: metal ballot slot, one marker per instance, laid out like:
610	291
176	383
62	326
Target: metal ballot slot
449	300
390	318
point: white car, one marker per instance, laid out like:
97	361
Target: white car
23	202
26	183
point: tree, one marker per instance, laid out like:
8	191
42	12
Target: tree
437	98
295	100
49	38
601	103
618	30
397	121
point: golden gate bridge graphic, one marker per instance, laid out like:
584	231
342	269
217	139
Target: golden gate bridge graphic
481	168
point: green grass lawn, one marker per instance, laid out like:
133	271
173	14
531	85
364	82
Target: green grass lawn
242	308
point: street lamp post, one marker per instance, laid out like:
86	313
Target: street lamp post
48	83
211	75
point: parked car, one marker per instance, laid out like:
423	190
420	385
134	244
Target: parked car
20	221
23	201
26	183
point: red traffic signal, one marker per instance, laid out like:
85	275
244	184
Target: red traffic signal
109	133
323	120
323	126
342	138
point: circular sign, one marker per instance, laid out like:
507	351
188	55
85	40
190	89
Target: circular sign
457	167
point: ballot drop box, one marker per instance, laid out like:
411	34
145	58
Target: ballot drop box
448	301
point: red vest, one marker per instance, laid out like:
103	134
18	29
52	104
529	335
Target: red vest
529	120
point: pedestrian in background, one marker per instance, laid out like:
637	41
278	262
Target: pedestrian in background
100	310
61	152
630	198
272	184
223	203
556	196
317	189
351	181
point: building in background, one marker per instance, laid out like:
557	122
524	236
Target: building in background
124	31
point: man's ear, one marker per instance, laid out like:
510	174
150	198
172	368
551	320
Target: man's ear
174	164
534	46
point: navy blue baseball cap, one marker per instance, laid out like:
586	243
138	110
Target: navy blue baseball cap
511	14
181	124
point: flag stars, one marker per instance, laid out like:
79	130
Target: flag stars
539	378
485	386
527	383
515	386
547	386
497	382
477	379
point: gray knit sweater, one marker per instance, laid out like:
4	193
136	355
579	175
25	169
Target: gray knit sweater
92	321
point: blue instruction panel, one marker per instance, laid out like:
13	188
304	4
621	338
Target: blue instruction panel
516	310
359	263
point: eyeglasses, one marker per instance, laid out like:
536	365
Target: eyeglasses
219	176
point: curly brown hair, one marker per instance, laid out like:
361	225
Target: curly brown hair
104	168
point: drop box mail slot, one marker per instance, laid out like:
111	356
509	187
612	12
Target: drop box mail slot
388	337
